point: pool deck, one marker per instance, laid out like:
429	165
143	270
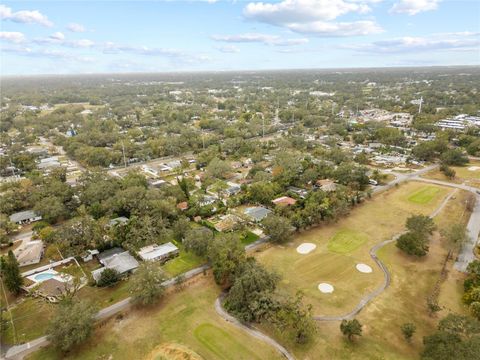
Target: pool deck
47	267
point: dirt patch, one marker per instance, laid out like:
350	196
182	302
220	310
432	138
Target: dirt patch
172	351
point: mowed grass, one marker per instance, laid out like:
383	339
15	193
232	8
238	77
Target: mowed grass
346	240
183	262
424	195
351	239
185	317
221	343
403	301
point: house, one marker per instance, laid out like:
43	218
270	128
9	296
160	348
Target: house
257	213
158	252
302	193
284	201
25	217
228	223
116	259
326	185
122	220
29	254
207	200
182	206
51	289
158	183
232	189
88	256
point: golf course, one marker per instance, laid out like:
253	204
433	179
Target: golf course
343	245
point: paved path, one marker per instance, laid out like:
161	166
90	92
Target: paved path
466	254
386	274
250	329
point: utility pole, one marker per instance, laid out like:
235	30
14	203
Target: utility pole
124	159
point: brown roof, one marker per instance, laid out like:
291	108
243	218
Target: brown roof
284	200
51	287
183	205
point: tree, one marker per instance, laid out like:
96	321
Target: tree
146	283
455	236
292	317
408	329
350	328
278	228
72	324
454	157
250	297
10	271
108	277
421	224
457	337
225	254
218	168
412	244
447	171
197	240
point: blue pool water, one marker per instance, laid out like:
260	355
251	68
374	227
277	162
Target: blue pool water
44	276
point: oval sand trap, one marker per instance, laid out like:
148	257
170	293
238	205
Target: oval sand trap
364	268
325	288
305	248
474	168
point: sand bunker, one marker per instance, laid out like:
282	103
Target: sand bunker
364	268
305	248
474	168
325	288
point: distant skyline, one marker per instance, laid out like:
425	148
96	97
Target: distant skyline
70	37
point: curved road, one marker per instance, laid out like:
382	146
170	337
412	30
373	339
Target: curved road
250	329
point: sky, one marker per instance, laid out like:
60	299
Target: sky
71	37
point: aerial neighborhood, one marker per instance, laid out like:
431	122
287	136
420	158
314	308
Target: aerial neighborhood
285	198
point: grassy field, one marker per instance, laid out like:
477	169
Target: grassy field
470	174
403	301
186	317
424	195
346	240
340	246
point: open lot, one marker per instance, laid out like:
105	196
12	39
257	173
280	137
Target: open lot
468	174
186	317
340	246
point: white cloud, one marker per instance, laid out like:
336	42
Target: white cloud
46	53
331	29
57	36
437	42
314	17
259	38
74	27
82	43
413	7
24	16
12	36
229	49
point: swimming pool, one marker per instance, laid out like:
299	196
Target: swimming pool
44	276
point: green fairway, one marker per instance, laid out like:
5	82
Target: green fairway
346	240
424	195
221	343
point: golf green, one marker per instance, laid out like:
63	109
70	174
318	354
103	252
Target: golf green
424	195
346	240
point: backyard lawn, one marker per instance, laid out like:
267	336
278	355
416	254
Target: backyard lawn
183	262
187	318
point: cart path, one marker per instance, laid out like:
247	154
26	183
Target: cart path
250	329
386	274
